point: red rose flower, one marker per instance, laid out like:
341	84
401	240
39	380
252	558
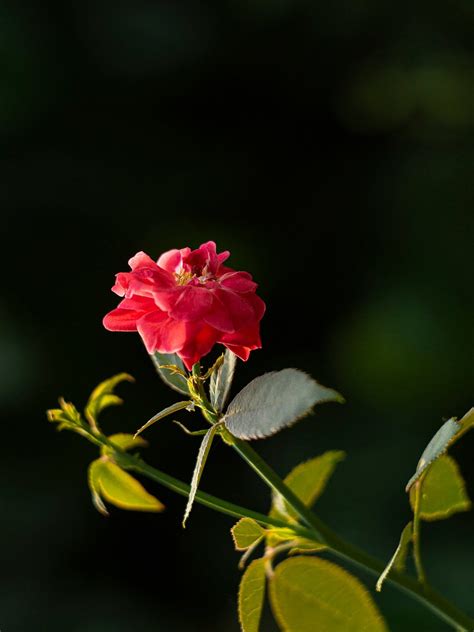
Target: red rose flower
187	302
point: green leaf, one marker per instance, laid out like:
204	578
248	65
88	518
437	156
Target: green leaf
251	596
108	481
174	380
103	396
443	491
307	480
438	445
203	453
398	559
93	480
221	381
274	401
309	594
170	410
246	532
303	545
124	442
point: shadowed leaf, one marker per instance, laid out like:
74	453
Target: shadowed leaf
443	491
274	401
307	480
308	594
174	380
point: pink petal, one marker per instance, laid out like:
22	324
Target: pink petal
171	261
141	259
161	333
126	315
193	303
238	282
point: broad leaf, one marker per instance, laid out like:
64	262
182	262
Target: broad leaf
103	396
435	448
108	481
398	560
246	532
251	596
198	469
443	491
170	410
124	442
308	481
173	379
309	594
221	381
274	401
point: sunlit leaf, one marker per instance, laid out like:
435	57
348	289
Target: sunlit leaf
308	481
203	453
397	562
103	396
251	596
124	442
109	482
273	401
309	594
443	491
170	410
221	381
246	532
435	448
174	380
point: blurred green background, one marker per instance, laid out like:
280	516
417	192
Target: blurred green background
330	147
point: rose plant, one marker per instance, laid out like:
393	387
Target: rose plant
183	305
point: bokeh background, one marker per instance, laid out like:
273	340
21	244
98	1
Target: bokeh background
330	147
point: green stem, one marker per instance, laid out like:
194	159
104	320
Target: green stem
420	571
425	595
322	533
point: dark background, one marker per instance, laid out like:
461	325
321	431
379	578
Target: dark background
330	147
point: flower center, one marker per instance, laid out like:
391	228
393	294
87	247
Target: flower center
184	277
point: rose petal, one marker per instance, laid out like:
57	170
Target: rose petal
238	282
200	339
219	316
128	312
161	333
171	261
192	304
140	260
